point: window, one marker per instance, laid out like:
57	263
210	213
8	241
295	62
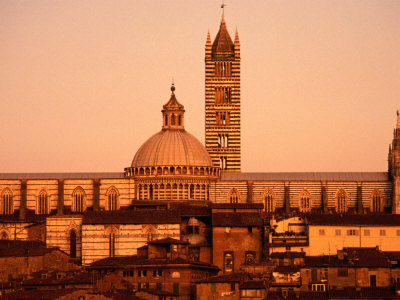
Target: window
222	140
157	273
322	232
175	288
112	199
7	199
228	262
341	199
223	162
382	232
338	232
342	272
305	201
233	286
222	118
367	232
352	232
376	203
269	205
223	95
250	257
42	203
319	287
159	286
372	280
72	244
78	199
398	232
111	245
233	196
213	287
223	68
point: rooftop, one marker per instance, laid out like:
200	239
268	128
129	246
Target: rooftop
305	176
355	219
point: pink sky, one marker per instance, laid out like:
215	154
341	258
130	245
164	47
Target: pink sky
83	82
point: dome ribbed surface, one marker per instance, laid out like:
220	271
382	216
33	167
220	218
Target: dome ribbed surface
172	148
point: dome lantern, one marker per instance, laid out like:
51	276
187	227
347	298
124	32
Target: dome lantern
173	112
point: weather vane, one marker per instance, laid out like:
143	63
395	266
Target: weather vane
223	7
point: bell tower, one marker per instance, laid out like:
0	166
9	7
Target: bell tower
394	166
222	99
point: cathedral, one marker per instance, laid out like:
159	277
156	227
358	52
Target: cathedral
175	184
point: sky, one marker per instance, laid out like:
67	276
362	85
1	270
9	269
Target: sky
83	82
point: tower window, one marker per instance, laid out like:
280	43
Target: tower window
222	118
223	95
222	140
223	68
223	162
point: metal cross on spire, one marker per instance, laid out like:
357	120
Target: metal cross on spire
223	7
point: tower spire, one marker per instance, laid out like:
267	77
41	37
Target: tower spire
222	97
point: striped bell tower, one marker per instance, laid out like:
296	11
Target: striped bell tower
222	99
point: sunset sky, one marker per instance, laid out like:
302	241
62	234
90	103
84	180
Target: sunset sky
83	82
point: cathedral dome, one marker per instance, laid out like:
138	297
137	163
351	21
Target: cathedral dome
172	147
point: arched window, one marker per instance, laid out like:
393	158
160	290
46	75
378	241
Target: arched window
305	201
72	244
269	202
112	244
234	196
341	200
7	202
112	199
78	199
376	201
42	205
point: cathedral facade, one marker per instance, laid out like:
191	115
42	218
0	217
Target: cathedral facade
173	180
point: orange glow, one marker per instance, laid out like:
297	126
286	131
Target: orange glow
83	82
